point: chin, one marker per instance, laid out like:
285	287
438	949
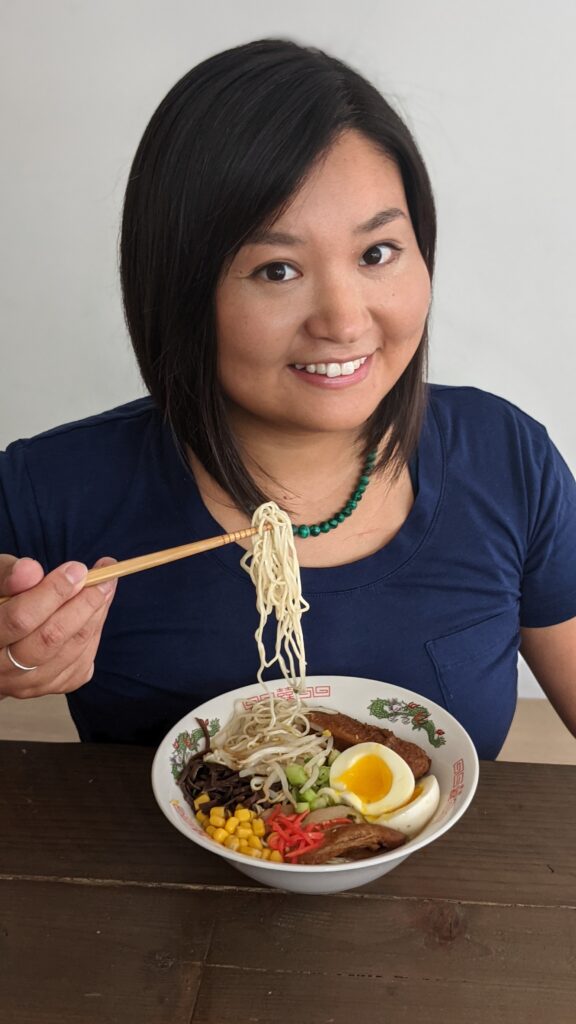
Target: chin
351	424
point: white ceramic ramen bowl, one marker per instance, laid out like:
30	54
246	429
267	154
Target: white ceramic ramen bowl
409	716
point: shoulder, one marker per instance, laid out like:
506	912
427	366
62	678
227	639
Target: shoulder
60	488
83	443
124	420
472	405
469	418
86	457
494	449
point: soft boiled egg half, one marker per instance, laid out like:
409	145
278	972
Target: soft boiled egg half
413	816
372	778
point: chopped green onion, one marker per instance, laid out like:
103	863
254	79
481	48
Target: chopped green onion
320	801
296	774
308	795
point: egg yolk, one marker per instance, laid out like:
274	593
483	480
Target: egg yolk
369	778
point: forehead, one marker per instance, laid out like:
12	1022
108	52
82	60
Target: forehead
349	184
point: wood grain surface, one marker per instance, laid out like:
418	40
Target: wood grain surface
108	913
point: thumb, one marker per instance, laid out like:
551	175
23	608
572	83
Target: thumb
102	562
18	574
105	560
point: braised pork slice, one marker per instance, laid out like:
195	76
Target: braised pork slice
347	732
344	840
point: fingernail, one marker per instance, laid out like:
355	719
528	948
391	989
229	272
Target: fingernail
107	586
75	572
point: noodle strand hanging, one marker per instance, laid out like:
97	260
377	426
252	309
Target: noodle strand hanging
258	740
273	568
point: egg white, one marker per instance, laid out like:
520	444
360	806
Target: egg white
415	815
401	789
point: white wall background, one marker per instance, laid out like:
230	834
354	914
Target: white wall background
488	87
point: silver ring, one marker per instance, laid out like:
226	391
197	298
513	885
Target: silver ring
23	668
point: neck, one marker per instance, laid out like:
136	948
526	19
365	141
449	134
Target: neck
309	475
294	470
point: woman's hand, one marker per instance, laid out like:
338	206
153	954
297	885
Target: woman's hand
51	626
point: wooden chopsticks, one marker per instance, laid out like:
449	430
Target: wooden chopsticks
130	565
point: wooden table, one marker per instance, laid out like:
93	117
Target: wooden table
108	914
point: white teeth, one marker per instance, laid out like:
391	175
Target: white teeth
333	369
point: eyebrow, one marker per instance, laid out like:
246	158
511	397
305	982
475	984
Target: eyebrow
379	220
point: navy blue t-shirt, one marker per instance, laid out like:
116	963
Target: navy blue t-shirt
489	545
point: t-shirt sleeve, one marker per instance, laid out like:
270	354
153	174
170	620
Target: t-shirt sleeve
549	580
21	530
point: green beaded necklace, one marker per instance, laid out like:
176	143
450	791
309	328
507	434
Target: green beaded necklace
347	509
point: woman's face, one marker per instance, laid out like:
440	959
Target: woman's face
318	317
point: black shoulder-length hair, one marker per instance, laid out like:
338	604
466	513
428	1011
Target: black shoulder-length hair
223	155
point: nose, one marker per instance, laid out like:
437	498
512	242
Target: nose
339	311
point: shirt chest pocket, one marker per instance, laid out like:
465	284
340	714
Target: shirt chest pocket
477	672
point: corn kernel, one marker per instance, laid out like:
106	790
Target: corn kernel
276	856
210	830
254	853
232	843
243	845
220	811
201	817
231	825
217	820
266	854
254	843
202	799
258	827
253	815
220	835
243	814
244	831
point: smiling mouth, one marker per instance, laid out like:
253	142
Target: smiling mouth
332	369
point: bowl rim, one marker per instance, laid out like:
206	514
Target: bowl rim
399	853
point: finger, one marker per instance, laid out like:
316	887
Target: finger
69	628
105	560
76	666
18	574
79	674
72	636
70	668
74	676
25	613
71	678
88	635
99	619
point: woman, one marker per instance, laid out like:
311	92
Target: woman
277	253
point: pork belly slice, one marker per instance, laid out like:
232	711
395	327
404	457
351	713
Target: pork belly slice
349	840
347	732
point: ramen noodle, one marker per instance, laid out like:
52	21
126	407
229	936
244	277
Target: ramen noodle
273	568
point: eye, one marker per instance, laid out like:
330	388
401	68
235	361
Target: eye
378	255
277	272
